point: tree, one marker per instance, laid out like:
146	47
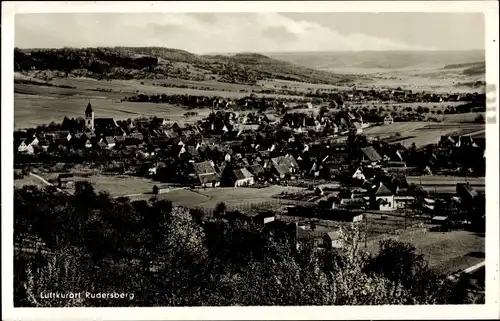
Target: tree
479	119
63	273
220	209
400	263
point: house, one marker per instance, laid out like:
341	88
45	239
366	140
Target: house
44	144
384	198
343	215
264	217
358	174
388	120
284	166
108	141
356	128
243	177
105	124
25	148
466	192
403	201
232	176
65	180
429	204
370	154
87	144
206	174
257	170
157	190
440	220
331	240
305	236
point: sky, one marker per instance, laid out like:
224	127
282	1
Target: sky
254	32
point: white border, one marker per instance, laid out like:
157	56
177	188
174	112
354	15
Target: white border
489	310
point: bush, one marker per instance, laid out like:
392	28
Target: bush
479	119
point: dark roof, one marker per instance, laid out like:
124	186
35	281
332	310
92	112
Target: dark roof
192	150
466	188
382	190
204	168
109	140
242	173
264	153
105	122
371	153
137	135
333	235
61	141
305	234
256	169
119	139
43	142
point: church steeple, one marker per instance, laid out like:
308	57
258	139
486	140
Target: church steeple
89	110
89	117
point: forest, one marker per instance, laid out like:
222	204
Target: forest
171	256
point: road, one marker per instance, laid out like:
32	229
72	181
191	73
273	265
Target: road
469	270
48	183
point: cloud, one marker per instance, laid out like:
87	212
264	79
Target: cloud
199	33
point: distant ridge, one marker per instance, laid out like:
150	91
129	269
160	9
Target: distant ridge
159	62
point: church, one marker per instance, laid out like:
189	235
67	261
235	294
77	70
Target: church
101	125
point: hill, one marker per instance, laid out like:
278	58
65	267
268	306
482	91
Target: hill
160	63
335	60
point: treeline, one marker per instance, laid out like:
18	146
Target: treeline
39	83
192	101
96	60
167	256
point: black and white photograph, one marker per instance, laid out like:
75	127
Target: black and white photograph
240	157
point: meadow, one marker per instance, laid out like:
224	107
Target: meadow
234	198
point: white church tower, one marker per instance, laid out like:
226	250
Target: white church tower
89	117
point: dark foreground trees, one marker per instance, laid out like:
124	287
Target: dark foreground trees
154	254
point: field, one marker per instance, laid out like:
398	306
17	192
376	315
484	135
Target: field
447	252
27	180
444	180
34	110
36	105
235	198
422	133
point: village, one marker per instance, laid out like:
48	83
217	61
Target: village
329	172
260	159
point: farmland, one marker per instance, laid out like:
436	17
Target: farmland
36	105
422	133
34	110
